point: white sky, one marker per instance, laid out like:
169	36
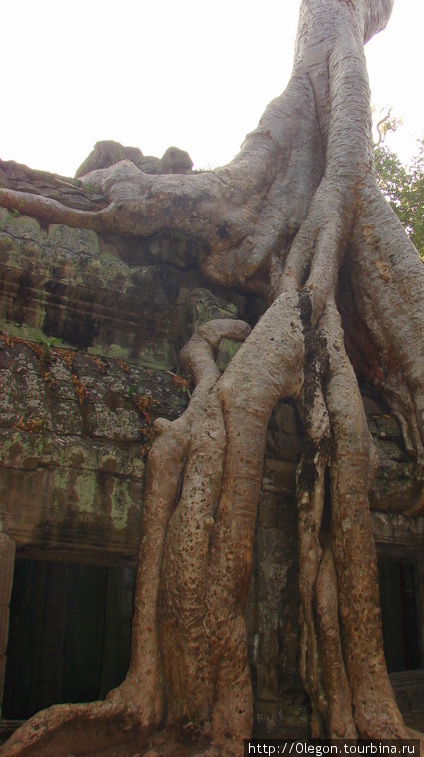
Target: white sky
155	73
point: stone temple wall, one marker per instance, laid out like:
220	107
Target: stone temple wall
91	327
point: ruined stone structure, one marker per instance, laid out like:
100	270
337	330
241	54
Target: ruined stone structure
91	327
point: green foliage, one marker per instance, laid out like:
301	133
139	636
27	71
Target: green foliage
404	189
48	344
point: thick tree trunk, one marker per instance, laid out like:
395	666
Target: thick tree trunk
296	217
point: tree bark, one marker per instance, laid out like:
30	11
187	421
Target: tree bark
298	218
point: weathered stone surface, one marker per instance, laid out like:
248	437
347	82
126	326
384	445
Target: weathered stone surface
409	691
203	306
273	628
279	476
107	153
7	562
267	682
73	439
175	160
70	192
123	299
74	423
398	534
288	718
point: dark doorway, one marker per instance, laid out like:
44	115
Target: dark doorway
399	609
69	634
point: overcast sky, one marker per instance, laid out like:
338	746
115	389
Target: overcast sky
155	73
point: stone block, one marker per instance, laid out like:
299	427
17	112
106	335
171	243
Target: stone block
279	477
273	721
371	406
112	460
269	506
278	511
266	719
267	616
286	419
267	682
7	565
267	648
283	446
387	427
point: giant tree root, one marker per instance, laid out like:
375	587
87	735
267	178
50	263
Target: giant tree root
296	217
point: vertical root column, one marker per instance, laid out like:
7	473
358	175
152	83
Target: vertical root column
248	391
184	615
340	722
374	708
342	658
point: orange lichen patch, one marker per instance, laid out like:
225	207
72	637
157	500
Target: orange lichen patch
143	405
99	363
80	388
68	356
180	382
8	340
49	379
30	424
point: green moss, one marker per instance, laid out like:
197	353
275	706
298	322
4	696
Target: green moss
20	226
161	358
80	455
61	479
78	240
85	489
20	451
23	332
4	218
121	504
226	351
117	352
